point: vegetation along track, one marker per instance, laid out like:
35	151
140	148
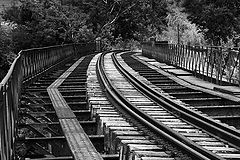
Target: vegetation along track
189	130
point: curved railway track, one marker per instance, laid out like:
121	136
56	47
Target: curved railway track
217	105
194	133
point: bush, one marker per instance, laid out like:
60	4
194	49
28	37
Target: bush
6	54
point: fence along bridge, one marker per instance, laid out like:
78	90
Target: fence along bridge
50	98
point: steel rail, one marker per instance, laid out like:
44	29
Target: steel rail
230	135
155	126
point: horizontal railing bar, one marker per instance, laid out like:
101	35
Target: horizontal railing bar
217	64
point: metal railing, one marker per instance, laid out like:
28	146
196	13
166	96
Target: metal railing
27	64
219	65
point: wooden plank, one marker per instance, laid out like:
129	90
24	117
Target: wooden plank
78	141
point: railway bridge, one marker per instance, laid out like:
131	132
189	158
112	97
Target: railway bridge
167	102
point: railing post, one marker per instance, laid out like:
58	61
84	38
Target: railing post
221	65
98	44
2	138
199	61
186	55
208	62
238	59
194	61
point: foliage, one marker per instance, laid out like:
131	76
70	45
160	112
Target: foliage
40	23
50	22
180	27
218	20
45	23
129	19
6	54
121	44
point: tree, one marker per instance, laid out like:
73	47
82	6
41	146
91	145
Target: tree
45	23
218	20
179	28
129	19
50	22
6	54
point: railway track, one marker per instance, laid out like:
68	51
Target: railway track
99	100
201	137
218	106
